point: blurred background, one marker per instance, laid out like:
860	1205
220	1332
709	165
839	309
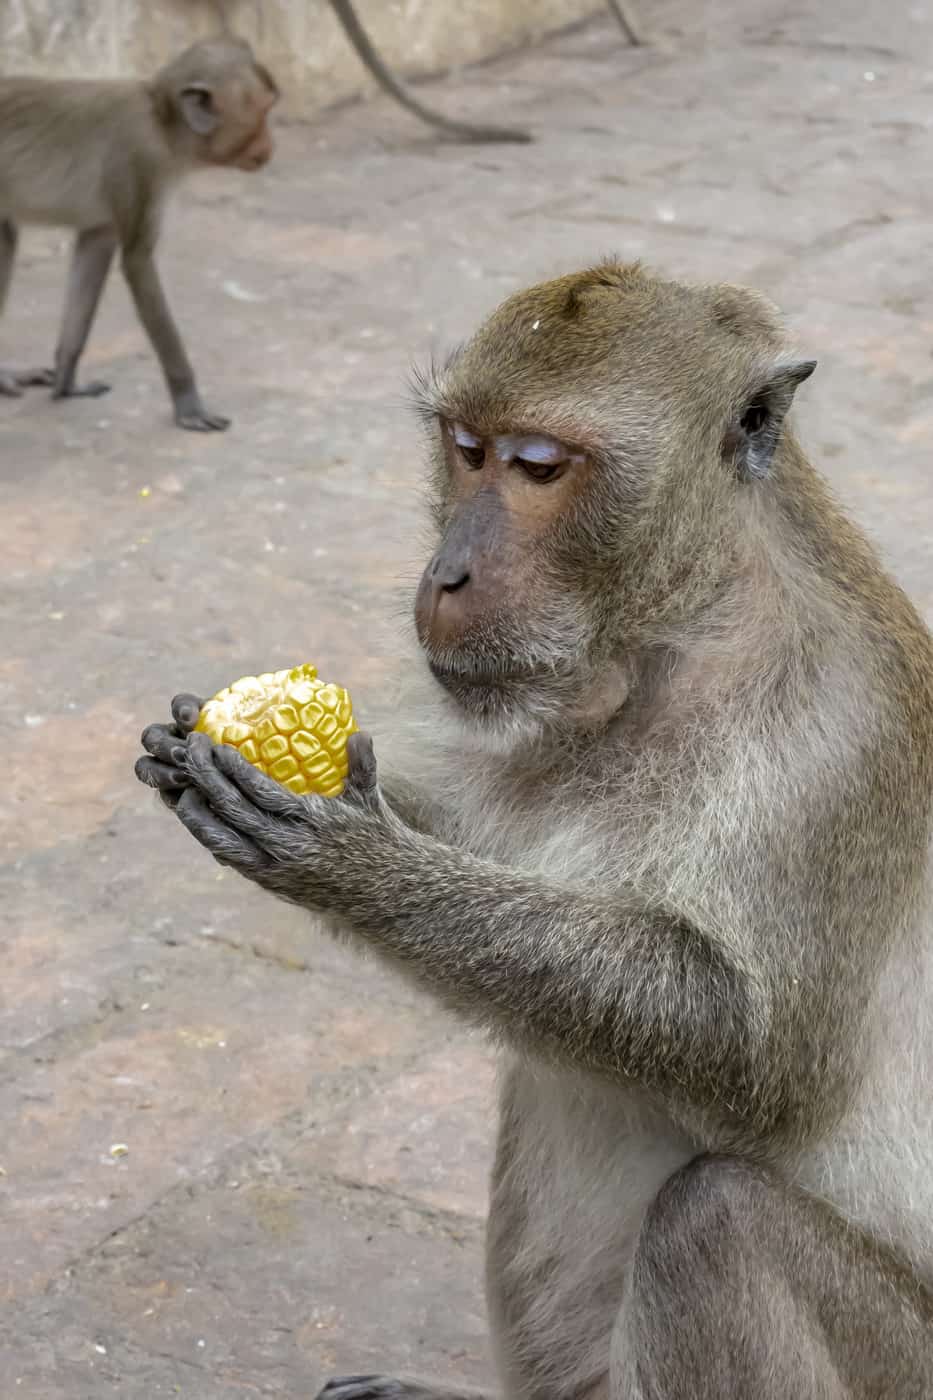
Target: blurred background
233	1157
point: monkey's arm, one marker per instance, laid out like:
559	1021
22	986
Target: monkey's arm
608	981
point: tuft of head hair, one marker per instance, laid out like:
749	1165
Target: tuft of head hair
564	355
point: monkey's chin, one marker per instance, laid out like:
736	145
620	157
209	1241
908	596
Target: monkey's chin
501	710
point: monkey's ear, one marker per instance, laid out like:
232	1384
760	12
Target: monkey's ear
197	107
752	437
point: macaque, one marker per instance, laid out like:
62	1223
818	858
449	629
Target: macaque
101	157
658	814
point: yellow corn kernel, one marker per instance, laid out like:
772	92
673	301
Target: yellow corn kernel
288	724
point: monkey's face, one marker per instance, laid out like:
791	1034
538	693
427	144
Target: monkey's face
499	610
597	445
243	137
224	98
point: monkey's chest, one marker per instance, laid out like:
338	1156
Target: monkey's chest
578	1164
55	196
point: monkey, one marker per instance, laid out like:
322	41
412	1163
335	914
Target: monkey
657	814
101	157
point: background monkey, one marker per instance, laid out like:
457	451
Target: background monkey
662	821
100	157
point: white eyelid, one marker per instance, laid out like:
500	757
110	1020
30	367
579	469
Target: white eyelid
463	437
546	451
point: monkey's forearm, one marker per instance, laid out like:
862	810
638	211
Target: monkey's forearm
607	982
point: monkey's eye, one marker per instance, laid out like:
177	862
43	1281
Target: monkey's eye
539	471
469	446
755	416
540	458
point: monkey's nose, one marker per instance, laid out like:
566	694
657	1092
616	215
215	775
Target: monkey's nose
453	582
442	605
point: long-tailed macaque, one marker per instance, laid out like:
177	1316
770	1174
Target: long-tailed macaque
662	821
100	157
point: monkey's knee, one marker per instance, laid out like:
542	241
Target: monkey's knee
699	1221
689	1278
699	1315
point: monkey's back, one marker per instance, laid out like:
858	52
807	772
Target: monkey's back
44	124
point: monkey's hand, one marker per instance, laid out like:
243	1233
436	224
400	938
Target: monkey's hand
301	848
606	977
166	745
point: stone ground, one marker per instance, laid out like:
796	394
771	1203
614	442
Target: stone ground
307	1138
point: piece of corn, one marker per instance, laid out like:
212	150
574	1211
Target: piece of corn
288	724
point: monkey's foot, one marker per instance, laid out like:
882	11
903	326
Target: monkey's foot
92	390
389	1388
200	421
14	381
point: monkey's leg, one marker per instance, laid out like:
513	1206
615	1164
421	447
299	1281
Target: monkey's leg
12	381
90	262
143	279
388	1388
743	1286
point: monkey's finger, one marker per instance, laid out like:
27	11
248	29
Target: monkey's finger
264	792
233	805
163	776
164	742
185	711
226	846
9	386
362	775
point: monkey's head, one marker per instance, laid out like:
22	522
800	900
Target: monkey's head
214	102
600	448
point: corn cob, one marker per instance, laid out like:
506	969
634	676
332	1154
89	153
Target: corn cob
289	725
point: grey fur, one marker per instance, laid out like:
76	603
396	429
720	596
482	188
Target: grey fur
101	157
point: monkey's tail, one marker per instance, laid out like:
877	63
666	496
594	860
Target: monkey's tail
366	52
628	29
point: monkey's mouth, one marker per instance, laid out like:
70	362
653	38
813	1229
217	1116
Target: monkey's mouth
486	677
493	692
